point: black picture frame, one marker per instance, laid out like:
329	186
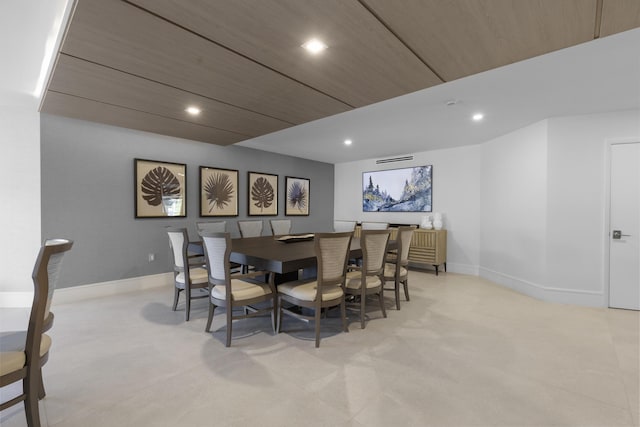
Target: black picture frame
297	196
218	192
262	194
160	189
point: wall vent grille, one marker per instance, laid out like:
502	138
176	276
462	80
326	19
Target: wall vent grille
394	159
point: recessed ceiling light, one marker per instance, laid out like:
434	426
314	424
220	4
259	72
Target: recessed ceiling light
314	46
477	117
348	142
193	110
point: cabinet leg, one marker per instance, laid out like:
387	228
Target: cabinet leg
445	267
436	269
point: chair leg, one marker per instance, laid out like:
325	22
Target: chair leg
211	310
274	314
279	315
406	289
381	298
343	314
362	305
229	323
317	320
41	392
31	389
397	292
176	295
187	294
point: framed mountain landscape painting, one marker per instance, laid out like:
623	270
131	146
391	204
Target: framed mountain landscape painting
398	190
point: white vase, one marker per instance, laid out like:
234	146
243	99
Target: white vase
426	222
437	224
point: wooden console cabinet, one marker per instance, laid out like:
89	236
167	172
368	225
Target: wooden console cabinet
428	247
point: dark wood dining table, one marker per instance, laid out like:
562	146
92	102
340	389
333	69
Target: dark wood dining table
285	259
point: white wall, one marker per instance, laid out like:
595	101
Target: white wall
526	210
513	218
20	177
456	194
577	238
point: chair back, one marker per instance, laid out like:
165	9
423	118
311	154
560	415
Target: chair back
250	228
343	226
374	249
214	227
332	253
217	250
404	241
45	278
280	227
374	225
178	241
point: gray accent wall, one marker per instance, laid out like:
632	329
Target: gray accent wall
88	195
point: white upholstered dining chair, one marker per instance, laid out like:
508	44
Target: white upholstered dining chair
23	353
368	225
188	274
232	291
332	250
212	226
343	226
368	279
251	228
280	227
398	270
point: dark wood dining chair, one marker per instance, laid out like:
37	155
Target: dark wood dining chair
368	279
23	353
188	273
398	270
234	291
332	251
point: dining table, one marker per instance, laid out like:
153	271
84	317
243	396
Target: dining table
285	256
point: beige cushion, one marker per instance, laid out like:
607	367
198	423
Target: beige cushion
355	277
390	271
198	275
12	356
306	291
241	290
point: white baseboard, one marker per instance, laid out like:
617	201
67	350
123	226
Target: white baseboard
94	290
471	270
557	295
452	267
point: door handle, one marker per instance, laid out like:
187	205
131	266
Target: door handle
617	235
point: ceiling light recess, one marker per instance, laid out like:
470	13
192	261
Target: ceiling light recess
348	142
314	46
194	111
477	117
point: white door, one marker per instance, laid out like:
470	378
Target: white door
624	230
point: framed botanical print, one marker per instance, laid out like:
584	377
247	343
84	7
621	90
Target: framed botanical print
160	189
296	196
218	192
263	194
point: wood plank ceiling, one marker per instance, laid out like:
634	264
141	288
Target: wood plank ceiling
139	63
